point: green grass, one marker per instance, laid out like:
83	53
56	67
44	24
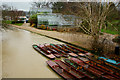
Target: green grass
109	31
7	21
18	24
10	22
115	21
111	28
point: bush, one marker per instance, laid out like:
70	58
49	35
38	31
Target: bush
102	46
33	19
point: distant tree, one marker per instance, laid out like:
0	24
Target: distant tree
41	4
64	7
9	13
58	7
5	10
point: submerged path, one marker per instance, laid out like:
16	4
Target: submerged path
76	38
79	39
20	60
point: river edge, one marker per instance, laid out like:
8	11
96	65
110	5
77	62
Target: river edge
80	40
55	35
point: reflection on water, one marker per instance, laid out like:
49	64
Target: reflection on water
20	60
0	55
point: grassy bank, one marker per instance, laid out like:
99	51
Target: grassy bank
10	22
113	27
18	24
109	31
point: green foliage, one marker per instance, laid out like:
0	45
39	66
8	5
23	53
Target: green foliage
33	19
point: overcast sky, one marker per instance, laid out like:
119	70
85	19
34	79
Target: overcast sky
26	4
19	5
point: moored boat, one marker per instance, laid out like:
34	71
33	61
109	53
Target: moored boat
80	52
55	53
94	69
65	46
50	56
75	66
110	61
115	70
66	50
99	68
72	71
60	71
60	51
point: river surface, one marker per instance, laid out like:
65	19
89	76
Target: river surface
20	60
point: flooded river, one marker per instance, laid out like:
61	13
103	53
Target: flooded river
20	60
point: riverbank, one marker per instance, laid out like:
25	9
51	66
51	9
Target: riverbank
78	39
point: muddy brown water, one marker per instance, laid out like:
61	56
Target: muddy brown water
20	60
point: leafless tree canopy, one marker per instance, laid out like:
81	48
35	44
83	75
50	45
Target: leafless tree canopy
41	4
94	14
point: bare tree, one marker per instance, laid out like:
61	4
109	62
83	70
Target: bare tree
92	18
41	4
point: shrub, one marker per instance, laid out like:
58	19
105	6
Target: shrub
102	46
33	19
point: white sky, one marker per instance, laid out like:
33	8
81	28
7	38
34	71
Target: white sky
26	4
19	5
55	0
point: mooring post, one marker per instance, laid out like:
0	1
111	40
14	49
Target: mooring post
117	50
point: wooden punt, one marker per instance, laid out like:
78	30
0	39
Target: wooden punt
98	68
94	69
55	53
50	56
66	51
72	71
73	50
60	70
80	52
113	69
90	61
113	62
54	50
59	51
94	63
75	66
